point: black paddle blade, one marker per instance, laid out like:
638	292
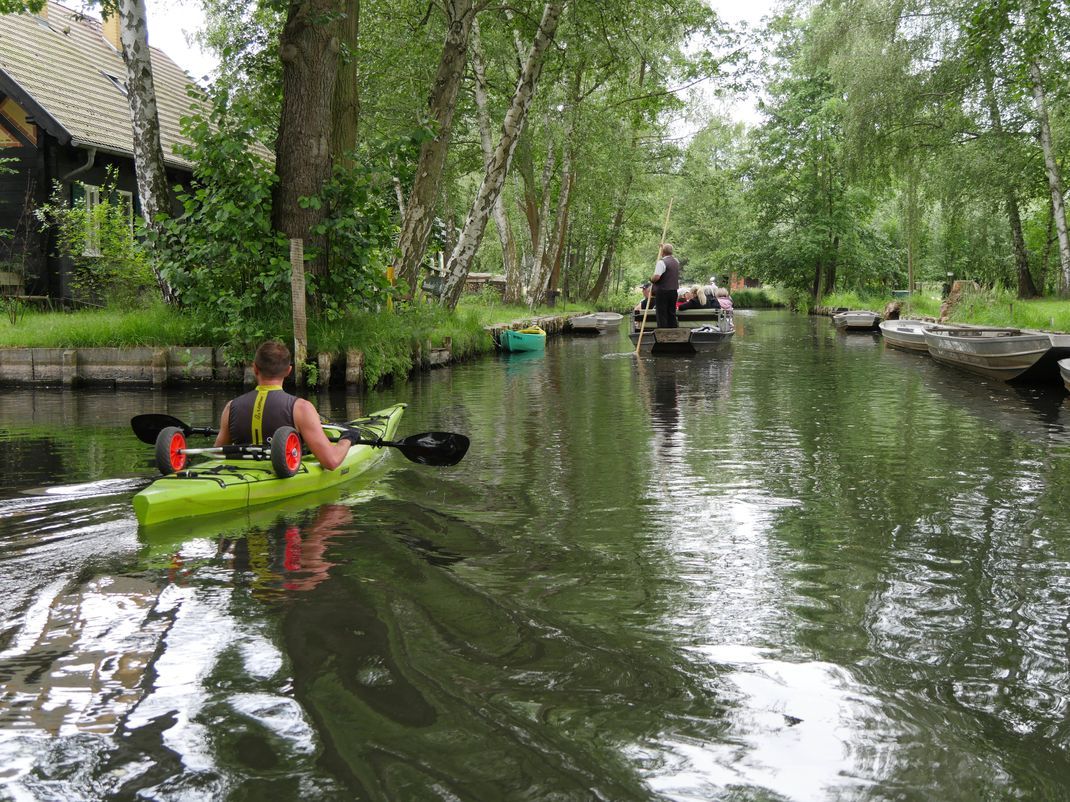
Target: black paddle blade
433	448
147	427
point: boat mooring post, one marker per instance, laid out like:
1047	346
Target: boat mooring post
297	294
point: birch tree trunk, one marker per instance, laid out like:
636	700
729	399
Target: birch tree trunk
152	189
513	287
611	243
308	48
1055	182
460	261
423	197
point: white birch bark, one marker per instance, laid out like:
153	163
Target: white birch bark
460	261
152	188
1055	182
551	239
513	286
423	197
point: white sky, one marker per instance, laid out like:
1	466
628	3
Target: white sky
172	21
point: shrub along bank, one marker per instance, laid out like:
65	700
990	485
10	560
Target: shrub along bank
387	339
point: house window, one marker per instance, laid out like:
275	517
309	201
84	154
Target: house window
120	85
91	196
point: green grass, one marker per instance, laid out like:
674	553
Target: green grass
387	340
853	300
98	328
764	298
1000	308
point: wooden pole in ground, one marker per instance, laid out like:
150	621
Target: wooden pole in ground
297	294
646	306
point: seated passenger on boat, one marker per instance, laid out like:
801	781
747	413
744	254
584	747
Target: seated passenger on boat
253	417
648	298
695	298
724	300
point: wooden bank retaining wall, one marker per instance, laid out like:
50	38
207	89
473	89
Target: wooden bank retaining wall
162	366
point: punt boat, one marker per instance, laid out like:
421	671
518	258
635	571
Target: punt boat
595	323
909	335
856	320
999	353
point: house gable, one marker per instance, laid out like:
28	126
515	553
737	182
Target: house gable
69	80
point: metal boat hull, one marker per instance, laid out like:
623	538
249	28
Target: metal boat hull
859	320
908	335
1003	354
1064	371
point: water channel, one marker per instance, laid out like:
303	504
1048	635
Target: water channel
815	568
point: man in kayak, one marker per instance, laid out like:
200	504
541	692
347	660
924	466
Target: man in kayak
253	417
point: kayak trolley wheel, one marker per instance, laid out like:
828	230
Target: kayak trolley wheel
169	445
285	451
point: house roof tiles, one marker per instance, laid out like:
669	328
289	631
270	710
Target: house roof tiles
63	67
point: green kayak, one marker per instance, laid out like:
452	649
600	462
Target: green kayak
219	485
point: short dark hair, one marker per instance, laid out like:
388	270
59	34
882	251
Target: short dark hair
272	359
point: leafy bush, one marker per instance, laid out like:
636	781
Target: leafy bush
110	266
222	256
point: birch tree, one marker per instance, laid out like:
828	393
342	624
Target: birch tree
421	205
460	260
152	187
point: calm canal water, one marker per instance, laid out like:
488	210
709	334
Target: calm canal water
815	569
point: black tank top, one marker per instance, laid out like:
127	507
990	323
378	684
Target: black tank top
255	416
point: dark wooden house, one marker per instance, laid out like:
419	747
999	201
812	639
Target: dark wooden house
64	121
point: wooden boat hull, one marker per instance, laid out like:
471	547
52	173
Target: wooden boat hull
997	353
856	320
533	339
685	341
689	318
1064	371
907	335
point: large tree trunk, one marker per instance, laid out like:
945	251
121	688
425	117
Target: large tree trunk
611	243
1055	182
423	197
513	286
1026	288
309	53
345	105
152	188
460	260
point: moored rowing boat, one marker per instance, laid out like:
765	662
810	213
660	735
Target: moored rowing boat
856	320
1064	371
909	335
530	339
998	353
219	485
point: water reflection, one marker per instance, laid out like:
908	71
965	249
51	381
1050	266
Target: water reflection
814	569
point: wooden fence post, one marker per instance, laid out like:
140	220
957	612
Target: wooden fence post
297	293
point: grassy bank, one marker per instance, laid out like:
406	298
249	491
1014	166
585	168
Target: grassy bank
387	339
984	307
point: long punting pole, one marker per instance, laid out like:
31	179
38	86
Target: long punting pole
646	306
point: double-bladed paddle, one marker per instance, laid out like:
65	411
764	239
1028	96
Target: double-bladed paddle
427	448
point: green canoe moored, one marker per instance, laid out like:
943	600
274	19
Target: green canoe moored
219	485
532	339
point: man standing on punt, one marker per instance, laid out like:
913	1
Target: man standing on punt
666	281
